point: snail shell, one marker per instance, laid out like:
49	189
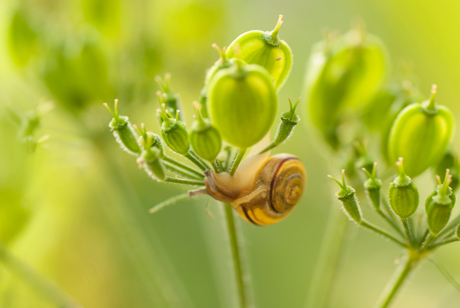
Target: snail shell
264	190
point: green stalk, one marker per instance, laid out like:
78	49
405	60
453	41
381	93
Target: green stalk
444	242
402	272
181	172
381	232
237	161
183	166
328	260
184	181
408	231
39	283
197	162
240	268
390	222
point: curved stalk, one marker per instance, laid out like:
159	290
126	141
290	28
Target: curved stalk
181	172
408	231
241	273
328	259
239	156
41	284
390	222
394	285
381	232
183	166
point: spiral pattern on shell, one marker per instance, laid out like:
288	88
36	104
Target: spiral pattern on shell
278	189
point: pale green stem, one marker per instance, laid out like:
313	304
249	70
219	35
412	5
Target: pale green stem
402	272
408	231
446	274
428	241
237	161
382	233
39	283
181	172
444	242
196	161
328	260
183	166
168	202
390	222
241	273
198	158
184	181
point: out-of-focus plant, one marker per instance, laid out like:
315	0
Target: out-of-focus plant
349	105
237	108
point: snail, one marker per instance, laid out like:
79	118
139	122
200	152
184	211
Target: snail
264	190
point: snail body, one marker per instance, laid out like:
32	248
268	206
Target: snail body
263	191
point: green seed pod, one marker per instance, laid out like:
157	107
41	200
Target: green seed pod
421	134
342	73
149	139
204	138
170	99
123	131
150	160
174	132
264	49
439	205
289	120
243	102
372	187
449	161
347	196
403	194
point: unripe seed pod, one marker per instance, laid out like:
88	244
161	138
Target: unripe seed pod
174	132
148	139
421	134
403	194
204	138
372	187
170	99
289	120
264	49
243	102
342	73
123	131
347	196
150	160
439	205
449	161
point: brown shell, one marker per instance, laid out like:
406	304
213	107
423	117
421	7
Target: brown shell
277	189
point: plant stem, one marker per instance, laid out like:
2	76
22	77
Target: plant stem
181	172
428	241
41	284
184	181
402	272
328	259
196	161
408	231
202	161
446	274
183	166
168	202
390	222
237	161
444	242
381	232
241	273
216	167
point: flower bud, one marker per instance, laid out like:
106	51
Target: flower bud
342	72
439	205
204	138
289	120
421	134
449	161
170	99
243	102
347	196
148	139
123	131
403	194
264	49
173	131
150	160
372	187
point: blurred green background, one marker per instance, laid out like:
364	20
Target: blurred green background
76	209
